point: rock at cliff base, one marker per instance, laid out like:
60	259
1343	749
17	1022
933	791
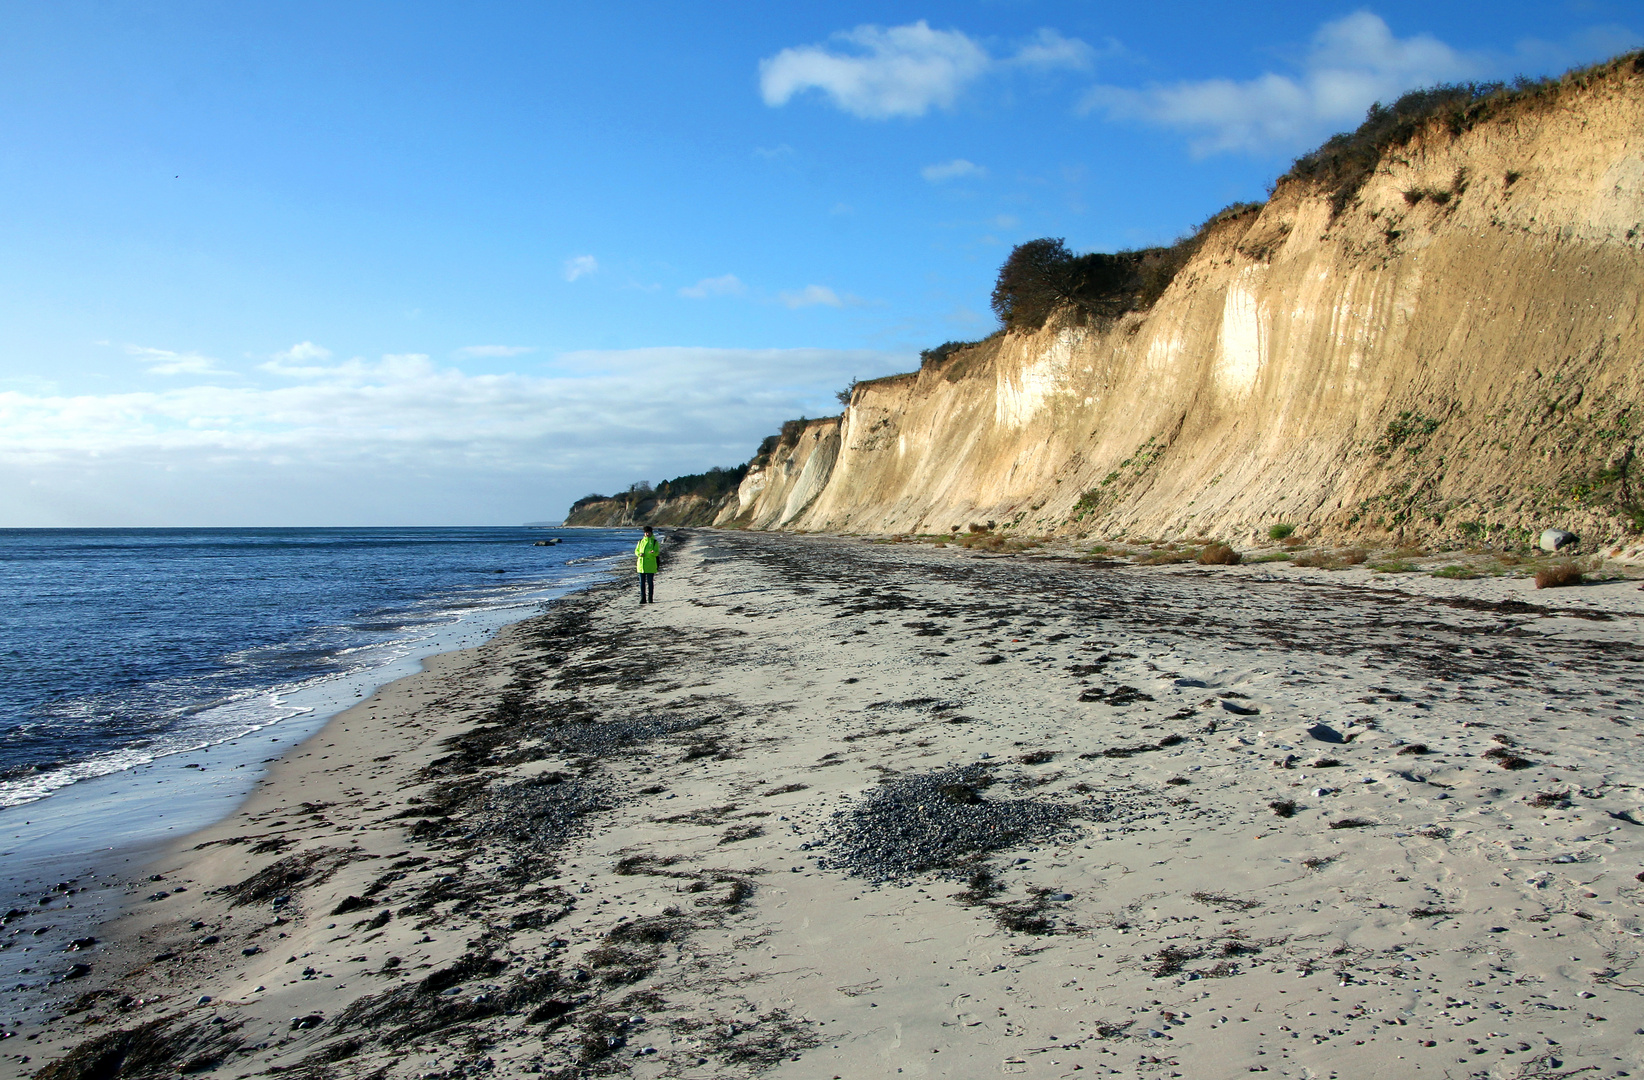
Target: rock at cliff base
1557	540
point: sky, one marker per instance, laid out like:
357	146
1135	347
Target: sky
405	263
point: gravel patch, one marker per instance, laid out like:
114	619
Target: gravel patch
939	822
537	813
615	736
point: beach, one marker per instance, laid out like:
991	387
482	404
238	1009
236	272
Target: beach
843	808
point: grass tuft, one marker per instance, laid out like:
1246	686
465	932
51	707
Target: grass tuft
1333	560
1457	572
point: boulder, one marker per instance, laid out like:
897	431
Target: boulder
1557	540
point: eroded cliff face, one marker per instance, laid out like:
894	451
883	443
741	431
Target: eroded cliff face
1456	355
782	486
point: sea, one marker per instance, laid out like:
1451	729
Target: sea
147	675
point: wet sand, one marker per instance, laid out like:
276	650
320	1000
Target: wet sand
841	809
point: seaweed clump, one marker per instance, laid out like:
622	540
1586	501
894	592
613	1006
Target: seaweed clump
158	1048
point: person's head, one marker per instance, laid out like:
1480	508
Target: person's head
648	530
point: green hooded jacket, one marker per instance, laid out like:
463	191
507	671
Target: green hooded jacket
645	552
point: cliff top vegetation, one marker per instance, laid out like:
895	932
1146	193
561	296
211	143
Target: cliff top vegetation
712	484
1341	166
1042	275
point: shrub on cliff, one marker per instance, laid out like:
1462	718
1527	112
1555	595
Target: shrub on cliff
932	357
710	485
1347	160
588	500
1043	275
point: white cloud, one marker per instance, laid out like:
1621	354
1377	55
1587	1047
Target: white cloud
811	296
1048	50
725	285
877	72
405	437
300	359
952	170
303	350
167	362
1352	63
771	153
478	351
580	266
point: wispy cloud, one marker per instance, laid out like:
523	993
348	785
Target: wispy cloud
772	153
813	296
167	362
580	266
404	435
1048	50
480	351
1352	62
303	358
878	72
724	285
952	170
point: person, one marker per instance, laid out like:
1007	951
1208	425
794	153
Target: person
645	553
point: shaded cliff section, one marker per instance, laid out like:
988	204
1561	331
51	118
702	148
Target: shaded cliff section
697	499
1445	348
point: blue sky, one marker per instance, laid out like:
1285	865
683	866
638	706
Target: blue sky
415	263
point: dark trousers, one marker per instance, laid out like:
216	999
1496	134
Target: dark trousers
647	588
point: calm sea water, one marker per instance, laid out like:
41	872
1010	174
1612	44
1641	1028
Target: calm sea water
122	646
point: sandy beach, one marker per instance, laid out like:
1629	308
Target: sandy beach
837	808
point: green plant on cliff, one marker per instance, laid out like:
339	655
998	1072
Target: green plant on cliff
1409	430
1135	466
1610	487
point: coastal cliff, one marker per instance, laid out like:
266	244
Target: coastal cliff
1452	353
1444	347
683	501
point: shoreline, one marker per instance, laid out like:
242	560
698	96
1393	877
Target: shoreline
81	844
606	841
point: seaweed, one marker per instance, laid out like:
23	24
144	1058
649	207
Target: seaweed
279	878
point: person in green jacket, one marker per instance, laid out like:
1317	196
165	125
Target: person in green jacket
645	552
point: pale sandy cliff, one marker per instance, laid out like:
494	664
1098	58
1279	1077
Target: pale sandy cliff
1456	354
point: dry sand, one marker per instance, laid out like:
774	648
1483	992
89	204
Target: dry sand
620	839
